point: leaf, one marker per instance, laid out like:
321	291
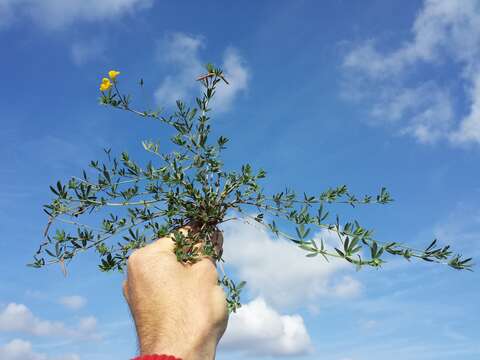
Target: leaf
340	252
431	245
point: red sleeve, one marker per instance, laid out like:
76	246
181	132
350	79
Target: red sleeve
156	357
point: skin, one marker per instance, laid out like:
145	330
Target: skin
178	309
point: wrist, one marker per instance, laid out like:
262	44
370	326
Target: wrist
181	349
156	357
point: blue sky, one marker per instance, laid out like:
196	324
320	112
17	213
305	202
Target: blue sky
367	94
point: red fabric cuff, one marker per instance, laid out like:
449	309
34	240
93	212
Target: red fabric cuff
156	357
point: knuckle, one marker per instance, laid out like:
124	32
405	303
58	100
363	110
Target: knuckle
206	270
221	311
125	290
133	259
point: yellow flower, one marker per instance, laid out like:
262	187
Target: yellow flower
105	85
113	74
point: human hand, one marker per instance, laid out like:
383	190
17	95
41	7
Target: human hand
178	309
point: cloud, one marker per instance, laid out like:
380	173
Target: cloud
87	324
6	13
461	228
36	294
454	335
347	288
369	324
73	302
19	349
278	270
57	14
401	85
83	52
19	318
181	53
469	129
259	330
237	75
405	348
425	111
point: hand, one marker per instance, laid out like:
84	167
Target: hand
178	309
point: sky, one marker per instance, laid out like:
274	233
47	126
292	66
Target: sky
322	93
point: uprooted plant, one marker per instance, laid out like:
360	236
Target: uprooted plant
189	186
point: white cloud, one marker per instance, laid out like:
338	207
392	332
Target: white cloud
19	349
454	335
36	294
369	324
469	130
425	111
444	32
56	14
87	324
462	228
278	270
181	53
73	302
237	75
86	51
67	357
259	330
347	288
6	13
19	318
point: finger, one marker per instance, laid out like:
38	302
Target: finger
167	244
205	270
164	244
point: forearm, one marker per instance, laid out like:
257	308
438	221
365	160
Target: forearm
182	346
181	351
